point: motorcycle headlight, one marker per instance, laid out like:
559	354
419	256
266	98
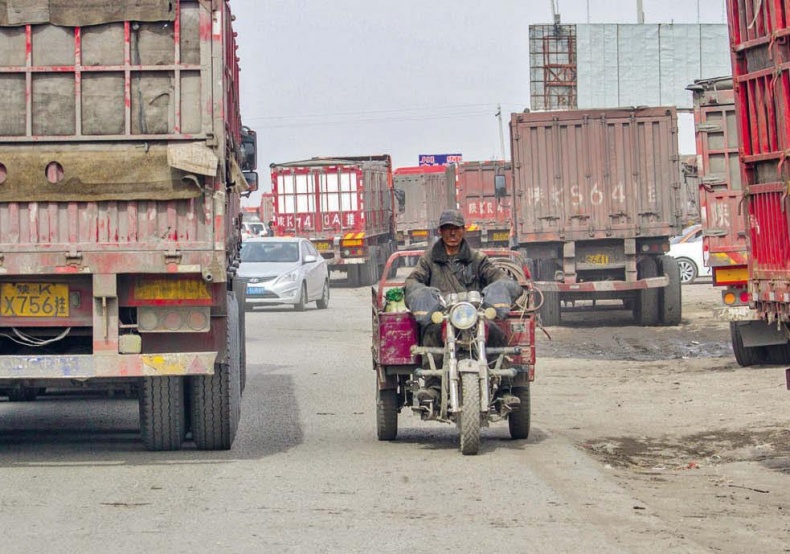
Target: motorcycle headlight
463	316
289	277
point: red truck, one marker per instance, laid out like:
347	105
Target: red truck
422	193
483	199
121	160
721	209
760	55
597	196
344	206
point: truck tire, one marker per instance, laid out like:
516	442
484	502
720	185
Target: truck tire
469	418
162	413
646	309
744	355
670	298
387	414
519	421
550	314
779	353
240	290
25	394
216	399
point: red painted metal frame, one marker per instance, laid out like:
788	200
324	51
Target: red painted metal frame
759	33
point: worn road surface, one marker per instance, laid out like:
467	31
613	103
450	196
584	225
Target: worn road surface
644	440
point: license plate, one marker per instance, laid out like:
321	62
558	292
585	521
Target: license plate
34	300
322	246
500	235
256	290
419	233
597	259
730	276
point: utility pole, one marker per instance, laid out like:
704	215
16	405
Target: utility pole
501	132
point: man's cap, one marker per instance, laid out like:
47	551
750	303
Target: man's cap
451	217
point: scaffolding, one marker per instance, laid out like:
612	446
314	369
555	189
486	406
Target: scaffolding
552	54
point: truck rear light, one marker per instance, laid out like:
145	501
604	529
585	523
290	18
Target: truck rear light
351	242
169	291
729	298
173	319
744	297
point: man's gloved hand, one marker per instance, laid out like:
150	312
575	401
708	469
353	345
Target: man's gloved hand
500	295
424	302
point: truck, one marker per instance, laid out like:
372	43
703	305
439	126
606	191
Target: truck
760	76
597	197
422	194
721	198
483	199
122	161
344	205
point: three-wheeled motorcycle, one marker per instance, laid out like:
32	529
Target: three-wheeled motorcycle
473	378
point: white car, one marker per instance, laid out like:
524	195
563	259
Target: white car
686	248
283	270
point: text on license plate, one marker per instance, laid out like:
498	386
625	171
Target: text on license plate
255	290
34	300
597	259
322	246
500	235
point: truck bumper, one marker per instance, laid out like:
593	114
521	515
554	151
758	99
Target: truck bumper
735	313
604	286
107	365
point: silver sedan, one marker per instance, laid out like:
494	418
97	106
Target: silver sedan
283	270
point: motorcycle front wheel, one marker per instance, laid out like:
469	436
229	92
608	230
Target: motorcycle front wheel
469	419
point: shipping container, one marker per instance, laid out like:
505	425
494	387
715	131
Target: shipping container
597	196
761	75
121	158
484	200
344	205
422	193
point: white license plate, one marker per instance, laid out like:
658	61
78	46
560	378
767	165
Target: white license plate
256	290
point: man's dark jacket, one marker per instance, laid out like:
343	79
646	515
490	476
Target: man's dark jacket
470	270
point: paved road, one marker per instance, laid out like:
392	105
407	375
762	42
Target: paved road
306	473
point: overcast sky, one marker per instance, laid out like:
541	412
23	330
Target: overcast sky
404	77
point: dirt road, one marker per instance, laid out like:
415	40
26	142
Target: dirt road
644	440
704	443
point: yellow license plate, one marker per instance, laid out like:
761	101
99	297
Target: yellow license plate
419	233
597	259
34	300
500	235
322	246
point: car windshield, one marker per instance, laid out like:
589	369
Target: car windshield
270	252
256	228
686	232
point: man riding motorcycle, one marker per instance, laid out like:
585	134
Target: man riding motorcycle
452	266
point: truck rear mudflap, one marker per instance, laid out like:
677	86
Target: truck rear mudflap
86	366
604	286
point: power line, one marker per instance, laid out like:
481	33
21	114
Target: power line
372	120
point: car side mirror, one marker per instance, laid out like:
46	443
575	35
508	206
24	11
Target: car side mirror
310	259
252	182
500	186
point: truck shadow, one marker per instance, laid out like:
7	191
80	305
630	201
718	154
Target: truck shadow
437	437
92	430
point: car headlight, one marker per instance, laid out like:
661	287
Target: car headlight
289	277
463	316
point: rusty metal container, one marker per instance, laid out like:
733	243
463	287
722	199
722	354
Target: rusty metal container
590	174
487	213
597	196
422	194
119	143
